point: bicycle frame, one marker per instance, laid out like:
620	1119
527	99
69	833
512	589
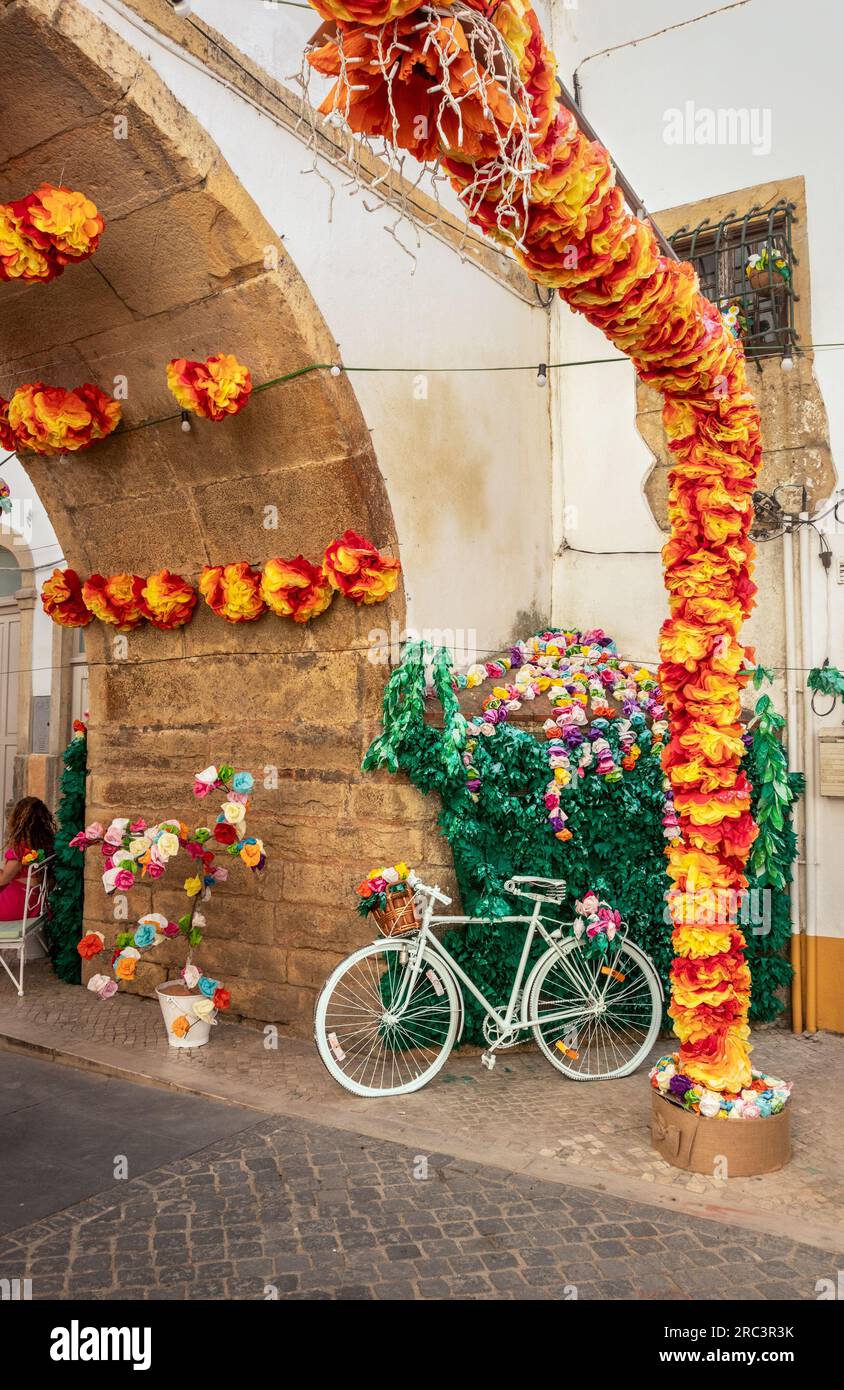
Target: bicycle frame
505	1020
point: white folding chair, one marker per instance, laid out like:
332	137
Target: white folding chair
14	936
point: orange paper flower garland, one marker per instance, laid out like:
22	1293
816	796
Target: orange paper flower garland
61	598
566	222
46	231
294	589
50	420
215	388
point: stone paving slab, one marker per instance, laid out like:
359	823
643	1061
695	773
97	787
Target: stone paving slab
523	1117
290	1209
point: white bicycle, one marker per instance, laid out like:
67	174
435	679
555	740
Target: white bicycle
389	1015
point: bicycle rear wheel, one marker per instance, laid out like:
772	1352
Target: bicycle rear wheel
611	1010
373	1040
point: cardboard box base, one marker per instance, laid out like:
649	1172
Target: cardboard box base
700	1145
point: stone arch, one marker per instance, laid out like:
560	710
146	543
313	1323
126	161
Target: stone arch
181	271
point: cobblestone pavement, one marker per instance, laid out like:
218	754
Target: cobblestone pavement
294	1210
523	1116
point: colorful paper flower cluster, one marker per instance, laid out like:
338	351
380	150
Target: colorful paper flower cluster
215	388
50	420
5	497
233	592
377	884
46	231
576	672
763	1096
133	850
61	599
355	567
294	589
563	214
597	925
116	600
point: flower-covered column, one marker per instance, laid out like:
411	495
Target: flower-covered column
473	87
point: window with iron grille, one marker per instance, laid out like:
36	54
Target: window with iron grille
746	265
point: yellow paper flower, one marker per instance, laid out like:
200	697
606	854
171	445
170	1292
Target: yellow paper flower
193	886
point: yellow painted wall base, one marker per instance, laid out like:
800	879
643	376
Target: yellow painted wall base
830	982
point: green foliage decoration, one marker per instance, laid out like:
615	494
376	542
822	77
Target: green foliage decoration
617	848
64	924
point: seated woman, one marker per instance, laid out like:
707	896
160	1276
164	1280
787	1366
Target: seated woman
30	827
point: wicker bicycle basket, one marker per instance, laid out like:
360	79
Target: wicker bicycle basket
399	915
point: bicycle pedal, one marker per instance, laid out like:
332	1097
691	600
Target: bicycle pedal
488	1060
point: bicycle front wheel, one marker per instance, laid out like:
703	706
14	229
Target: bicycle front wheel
604	1014
379	1031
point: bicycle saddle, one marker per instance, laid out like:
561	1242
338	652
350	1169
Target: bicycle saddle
551	890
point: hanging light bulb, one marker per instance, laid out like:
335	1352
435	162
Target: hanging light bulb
787	364
336	370
542	374
185	422
181	6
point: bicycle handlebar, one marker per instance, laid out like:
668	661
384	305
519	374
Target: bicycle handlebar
416	883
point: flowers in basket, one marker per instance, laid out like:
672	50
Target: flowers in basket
765	1096
133	850
386	895
597	925
768	261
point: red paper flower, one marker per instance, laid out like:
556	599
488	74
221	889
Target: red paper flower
51	420
232	592
224	833
168	600
90	945
61	598
221	998
296	589
358	569
117	600
45	231
215	388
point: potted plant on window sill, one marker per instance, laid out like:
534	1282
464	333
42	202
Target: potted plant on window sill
133	850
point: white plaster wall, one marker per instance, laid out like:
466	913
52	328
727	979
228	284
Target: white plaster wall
26	532
468	467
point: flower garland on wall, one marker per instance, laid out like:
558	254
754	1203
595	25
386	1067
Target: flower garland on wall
296	588
133	850
48	230
618	827
475	90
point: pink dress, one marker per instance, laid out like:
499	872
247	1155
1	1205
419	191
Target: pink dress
13	896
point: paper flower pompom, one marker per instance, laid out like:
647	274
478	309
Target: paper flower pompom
168	600
232	592
215	388
45	231
7	434
21	258
296	589
90	945
117	600
61	599
50	420
69	219
358	569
